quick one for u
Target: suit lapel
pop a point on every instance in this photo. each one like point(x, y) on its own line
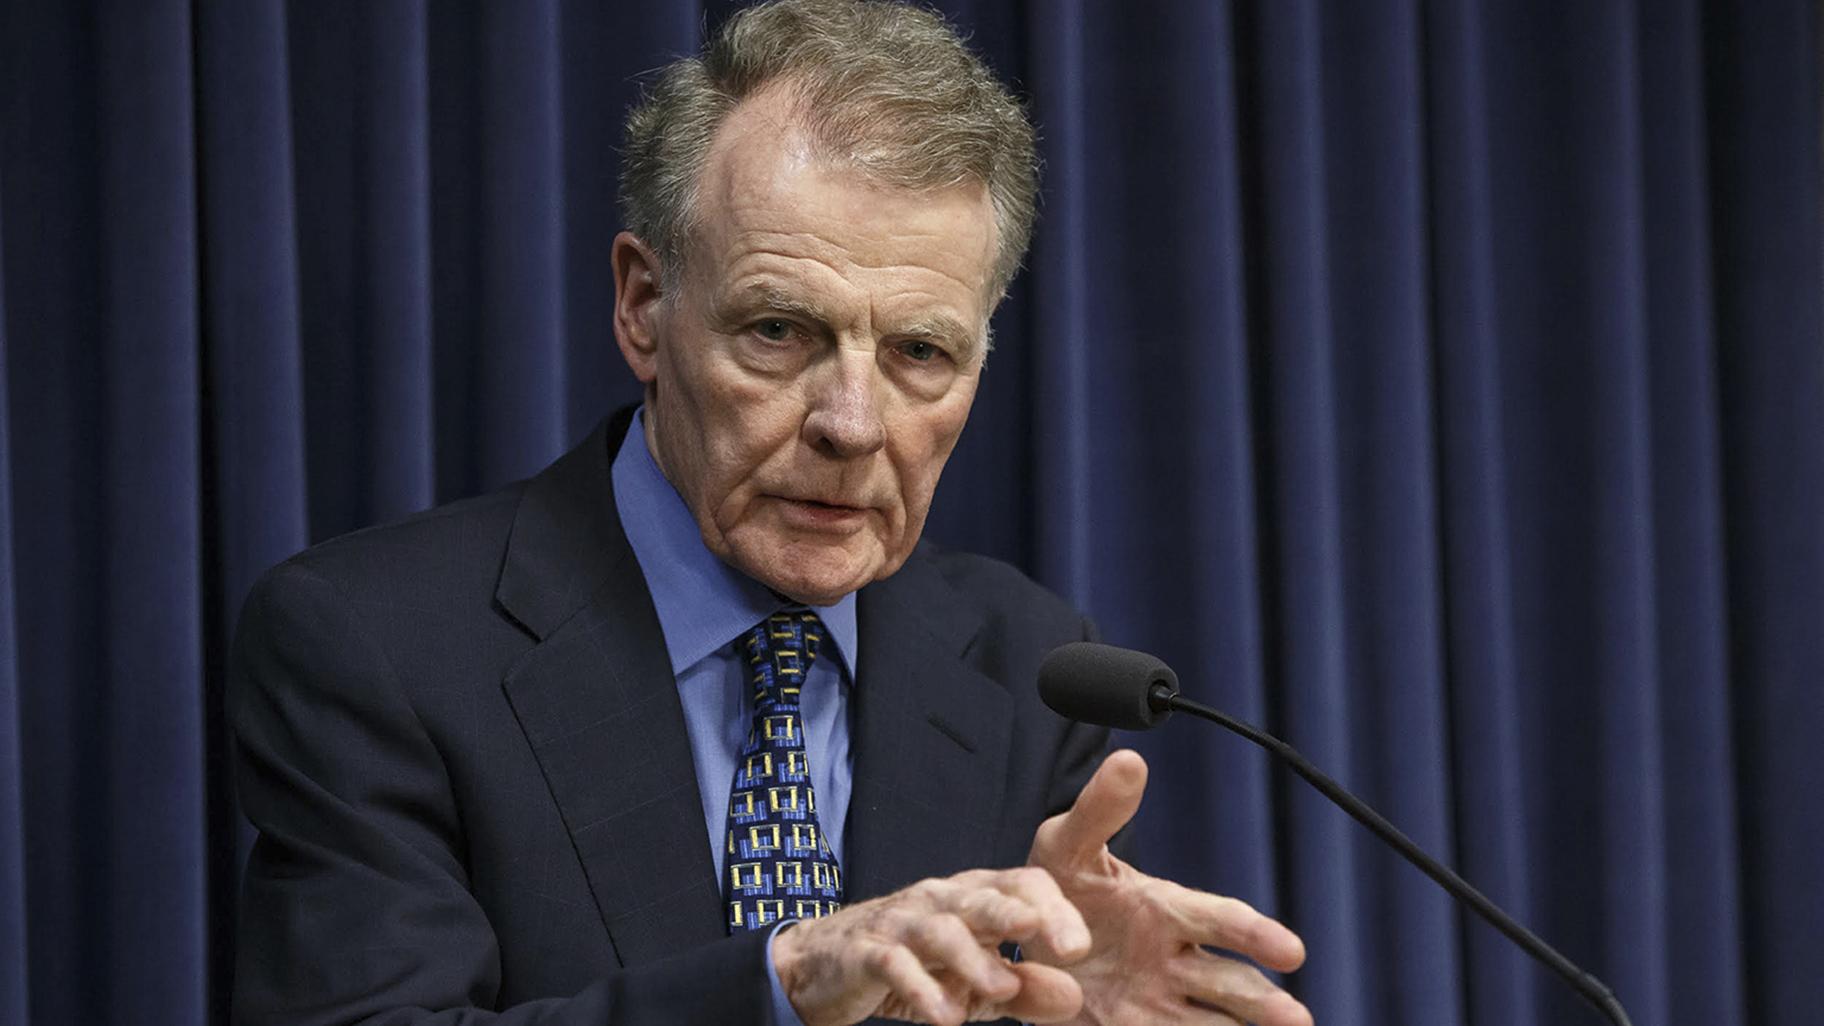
point(931, 738)
point(597, 702)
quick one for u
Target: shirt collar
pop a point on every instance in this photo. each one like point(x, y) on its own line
point(702, 602)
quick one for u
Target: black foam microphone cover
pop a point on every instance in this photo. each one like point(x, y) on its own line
point(1105, 685)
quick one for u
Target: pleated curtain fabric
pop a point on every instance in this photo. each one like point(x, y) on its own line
point(1437, 382)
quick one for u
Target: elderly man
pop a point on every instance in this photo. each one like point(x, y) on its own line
point(690, 728)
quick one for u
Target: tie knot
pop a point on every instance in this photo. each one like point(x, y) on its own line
point(779, 651)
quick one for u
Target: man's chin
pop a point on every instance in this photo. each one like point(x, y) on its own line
point(815, 575)
point(816, 589)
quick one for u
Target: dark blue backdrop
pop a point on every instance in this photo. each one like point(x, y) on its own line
point(1438, 382)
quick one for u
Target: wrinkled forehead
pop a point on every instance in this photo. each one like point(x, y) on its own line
point(766, 174)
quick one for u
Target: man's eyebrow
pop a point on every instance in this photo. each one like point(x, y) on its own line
point(936, 326)
point(941, 326)
point(766, 294)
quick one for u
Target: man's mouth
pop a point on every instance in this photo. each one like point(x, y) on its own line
point(817, 514)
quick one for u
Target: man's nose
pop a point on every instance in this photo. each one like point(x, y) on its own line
point(844, 419)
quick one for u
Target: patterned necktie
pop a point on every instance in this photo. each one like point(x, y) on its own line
point(779, 864)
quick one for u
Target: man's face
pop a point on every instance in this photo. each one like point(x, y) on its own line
point(811, 377)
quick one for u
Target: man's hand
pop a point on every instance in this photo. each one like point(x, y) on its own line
point(928, 953)
point(1147, 962)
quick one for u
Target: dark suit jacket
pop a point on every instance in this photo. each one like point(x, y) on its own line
point(460, 741)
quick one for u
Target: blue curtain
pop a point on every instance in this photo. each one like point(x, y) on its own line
point(1439, 383)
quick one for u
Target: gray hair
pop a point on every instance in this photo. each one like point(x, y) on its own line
point(887, 88)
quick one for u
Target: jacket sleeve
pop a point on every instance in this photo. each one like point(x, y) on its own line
point(355, 907)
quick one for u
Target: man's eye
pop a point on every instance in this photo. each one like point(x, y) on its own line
point(921, 351)
point(774, 330)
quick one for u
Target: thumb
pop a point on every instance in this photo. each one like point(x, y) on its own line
point(1103, 807)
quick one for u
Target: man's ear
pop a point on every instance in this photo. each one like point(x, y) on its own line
point(637, 297)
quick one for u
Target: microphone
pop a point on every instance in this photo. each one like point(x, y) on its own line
point(1118, 687)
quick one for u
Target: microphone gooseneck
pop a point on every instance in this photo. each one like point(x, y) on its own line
point(1117, 687)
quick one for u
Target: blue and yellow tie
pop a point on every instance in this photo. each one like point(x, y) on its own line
point(779, 864)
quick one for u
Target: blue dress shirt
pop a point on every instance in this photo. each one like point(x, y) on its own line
point(704, 605)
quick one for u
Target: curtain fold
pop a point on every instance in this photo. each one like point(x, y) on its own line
point(1386, 448)
point(519, 245)
point(1476, 578)
point(360, 124)
point(1437, 382)
point(1064, 257)
point(1296, 348)
point(146, 866)
point(15, 980)
point(251, 436)
point(1687, 557)
point(1765, 223)
point(251, 312)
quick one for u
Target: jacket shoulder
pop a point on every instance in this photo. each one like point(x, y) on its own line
point(1005, 593)
point(447, 552)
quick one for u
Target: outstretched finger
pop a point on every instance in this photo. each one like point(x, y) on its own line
point(943, 940)
point(1060, 929)
point(1237, 989)
point(1103, 807)
point(1234, 925)
point(911, 984)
